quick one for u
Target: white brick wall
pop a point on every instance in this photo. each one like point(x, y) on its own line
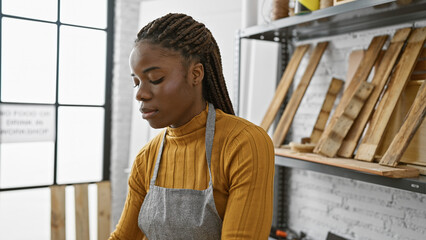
point(319, 203)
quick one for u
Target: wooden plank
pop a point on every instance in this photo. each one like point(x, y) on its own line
point(354, 60)
point(416, 150)
point(81, 212)
point(379, 80)
point(412, 122)
point(422, 169)
point(104, 210)
point(399, 78)
point(283, 86)
point(291, 108)
point(360, 76)
point(334, 139)
point(368, 167)
point(423, 54)
point(57, 212)
point(327, 106)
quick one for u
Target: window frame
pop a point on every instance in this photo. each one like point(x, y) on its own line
point(106, 161)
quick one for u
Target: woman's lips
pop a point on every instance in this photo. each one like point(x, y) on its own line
point(148, 113)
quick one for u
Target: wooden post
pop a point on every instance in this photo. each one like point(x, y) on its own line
point(57, 213)
point(283, 86)
point(104, 210)
point(289, 112)
point(82, 212)
point(327, 106)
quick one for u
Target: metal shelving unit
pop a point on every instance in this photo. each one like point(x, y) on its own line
point(346, 18)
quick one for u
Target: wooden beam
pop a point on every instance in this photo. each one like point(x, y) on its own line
point(284, 85)
point(104, 210)
point(57, 213)
point(412, 122)
point(367, 149)
point(327, 106)
point(81, 212)
point(379, 80)
point(291, 108)
point(360, 76)
point(334, 137)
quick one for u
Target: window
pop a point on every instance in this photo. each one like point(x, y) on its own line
point(55, 101)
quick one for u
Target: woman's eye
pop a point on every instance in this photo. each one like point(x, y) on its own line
point(157, 81)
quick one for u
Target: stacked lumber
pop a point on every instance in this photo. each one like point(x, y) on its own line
point(362, 129)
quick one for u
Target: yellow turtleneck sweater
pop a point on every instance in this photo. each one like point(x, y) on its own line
point(242, 168)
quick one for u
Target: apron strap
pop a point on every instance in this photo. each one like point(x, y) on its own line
point(157, 162)
point(210, 128)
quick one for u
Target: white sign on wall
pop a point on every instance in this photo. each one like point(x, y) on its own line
point(26, 123)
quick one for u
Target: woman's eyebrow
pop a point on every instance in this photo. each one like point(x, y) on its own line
point(150, 69)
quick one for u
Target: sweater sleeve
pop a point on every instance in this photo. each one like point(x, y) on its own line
point(250, 171)
point(127, 227)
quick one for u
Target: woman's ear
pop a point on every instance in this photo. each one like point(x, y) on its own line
point(197, 73)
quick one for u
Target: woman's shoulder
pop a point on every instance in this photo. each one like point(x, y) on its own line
point(235, 126)
point(150, 149)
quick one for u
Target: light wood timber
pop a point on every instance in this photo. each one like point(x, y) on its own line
point(354, 60)
point(291, 108)
point(302, 147)
point(422, 169)
point(361, 75)
point(412, 122)
point(57, 212)
point(368, 167)
point(333, 139)
point(283, 86)
point(327, 106)
point(379, 80)
point(399, 78)
point(104, 210)
point(81, 212)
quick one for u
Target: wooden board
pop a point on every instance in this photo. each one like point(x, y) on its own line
point(422, 170)
point(291, 108)
point(104, 210)
point(379, 80)
point(368, 167)
point(81, 212)
point(283, 86)
point(327, 106)
point(354, 60)
point(412, 122)
point(367, 149)
point(334, 137)
point(57, 213)
point(416, 150)
point(360, 76)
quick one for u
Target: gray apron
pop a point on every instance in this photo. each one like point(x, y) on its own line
point(169, 213)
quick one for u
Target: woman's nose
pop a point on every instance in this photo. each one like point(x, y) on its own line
point(144, 92)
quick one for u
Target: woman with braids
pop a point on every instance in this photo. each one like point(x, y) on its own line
point(209, 174)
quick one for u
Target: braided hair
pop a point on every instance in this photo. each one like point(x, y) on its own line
point(194, 41)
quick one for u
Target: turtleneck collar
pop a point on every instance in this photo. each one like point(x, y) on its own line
point(196, 123)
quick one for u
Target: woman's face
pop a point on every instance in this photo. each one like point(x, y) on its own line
point(170, 93)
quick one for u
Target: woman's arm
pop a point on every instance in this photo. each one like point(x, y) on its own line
point(248, 213)
point(127, 228)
